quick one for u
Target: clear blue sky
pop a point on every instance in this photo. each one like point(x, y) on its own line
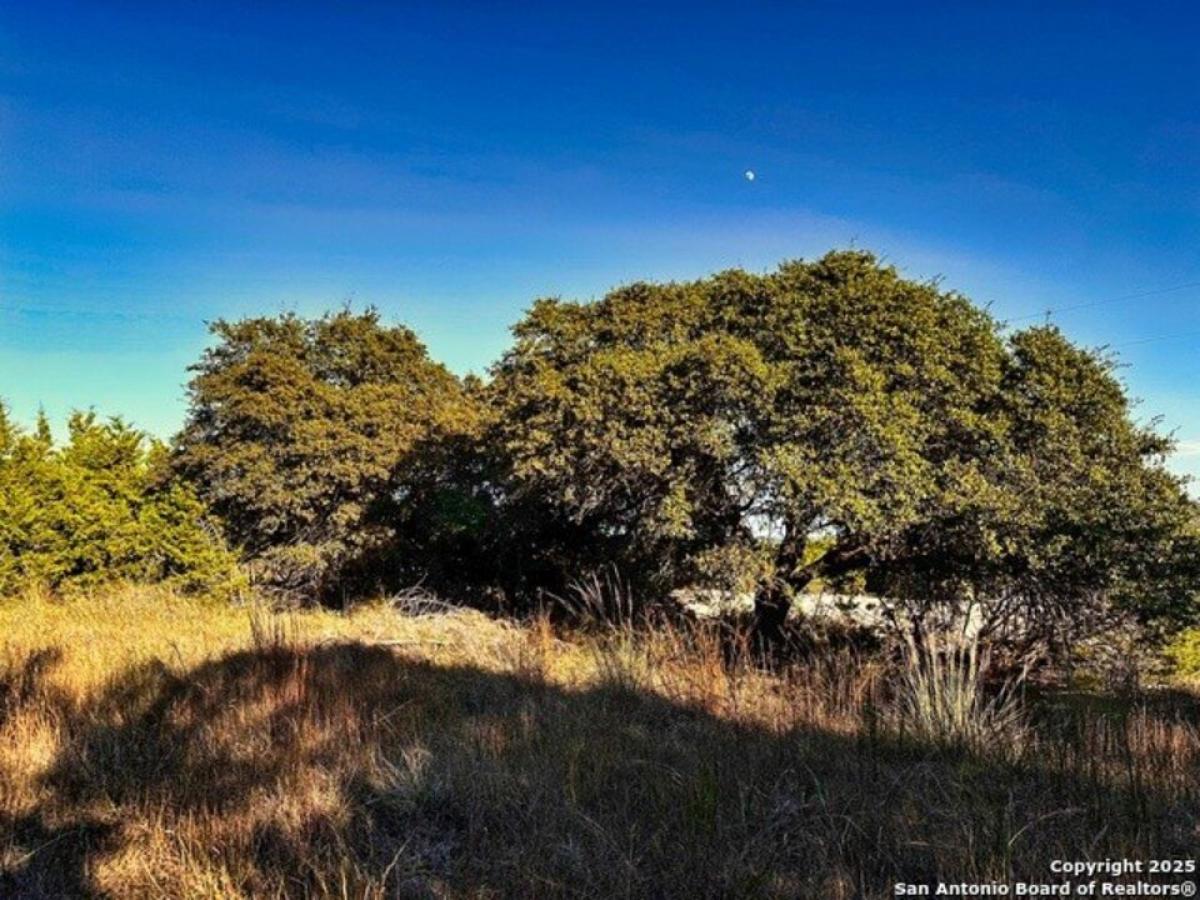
point(164, 165)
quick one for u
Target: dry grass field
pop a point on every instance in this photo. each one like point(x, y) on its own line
point(152, 746)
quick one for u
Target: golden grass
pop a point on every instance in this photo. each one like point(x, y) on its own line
point(154, 746)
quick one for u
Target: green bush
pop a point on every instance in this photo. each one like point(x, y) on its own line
point(1184, 653)
point(101, 508)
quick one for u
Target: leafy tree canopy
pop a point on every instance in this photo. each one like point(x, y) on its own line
point(307, 436)
point(834, 420)
point(100, 508)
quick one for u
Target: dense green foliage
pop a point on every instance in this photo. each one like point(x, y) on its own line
point(1184, 654)
point(1081, 522)
point(724, 427)
point(314, 439)
point(99, 508)
point(830, 422)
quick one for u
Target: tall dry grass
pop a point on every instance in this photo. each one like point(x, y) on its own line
point(152, 746)
point(944, 696)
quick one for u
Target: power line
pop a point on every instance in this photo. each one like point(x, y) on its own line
point(97, 313)
point(1107, 300)
point(200, 319)
point(1161, 337)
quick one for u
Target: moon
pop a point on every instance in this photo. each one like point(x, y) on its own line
point(750, 175)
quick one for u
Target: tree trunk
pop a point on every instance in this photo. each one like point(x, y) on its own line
point(771, 606)
point(773, 601)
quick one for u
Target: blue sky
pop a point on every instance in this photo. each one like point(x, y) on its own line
point(168, 164)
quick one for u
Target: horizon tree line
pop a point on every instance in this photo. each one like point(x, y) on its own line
point(829, 422)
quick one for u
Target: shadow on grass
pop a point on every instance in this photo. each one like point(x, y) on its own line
point(349, 769)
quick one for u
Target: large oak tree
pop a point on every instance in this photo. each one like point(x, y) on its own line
point(834, 419)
